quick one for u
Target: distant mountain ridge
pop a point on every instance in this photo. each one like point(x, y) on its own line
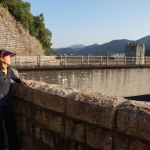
point(95, 49)
point(76, 46)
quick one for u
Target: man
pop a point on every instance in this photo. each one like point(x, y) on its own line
point(6, 109)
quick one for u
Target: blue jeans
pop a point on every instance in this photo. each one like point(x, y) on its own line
point(7, 114)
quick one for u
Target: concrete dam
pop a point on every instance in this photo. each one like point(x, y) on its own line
point(112, 81)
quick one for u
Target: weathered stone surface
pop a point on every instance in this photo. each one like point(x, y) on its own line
point(124, 143)
point(49, 96)
point(28, 143)
point(29, 128)
point(24, 108)
point(15, 37)
point(48, 119)
point(49, 101)
point(47, 138)
point(80, 147)
point(40, 115)
point(50, 88)
point(36, 132)
point(75, 130)
point(98, 138)
point(133, 118)
point(21, 123)
point(93, 107)
point(81, 120)
point(23, 92)
point(68, 145)
point(56, 123)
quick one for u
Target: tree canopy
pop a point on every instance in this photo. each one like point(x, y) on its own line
point(35, 24)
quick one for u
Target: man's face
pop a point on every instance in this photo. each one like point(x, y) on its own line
point(6, 60)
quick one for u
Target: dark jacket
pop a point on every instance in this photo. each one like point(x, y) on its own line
point(5, 81)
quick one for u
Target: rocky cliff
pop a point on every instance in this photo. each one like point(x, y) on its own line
point(14, 37)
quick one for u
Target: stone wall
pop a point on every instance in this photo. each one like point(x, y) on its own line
point(50, 117)
point(14, 37)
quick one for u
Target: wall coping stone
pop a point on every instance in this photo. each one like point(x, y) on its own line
point(91, 103)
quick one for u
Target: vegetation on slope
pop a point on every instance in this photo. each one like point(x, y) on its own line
point(35, 24)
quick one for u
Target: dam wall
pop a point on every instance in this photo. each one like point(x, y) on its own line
point(123, 81)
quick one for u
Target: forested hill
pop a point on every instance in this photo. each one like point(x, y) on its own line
point(35, 24)
point(113, 46)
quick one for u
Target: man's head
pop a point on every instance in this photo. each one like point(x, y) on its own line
point(4, 53)
point(5, 56)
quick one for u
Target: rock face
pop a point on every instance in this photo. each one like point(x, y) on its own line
point(15, 38)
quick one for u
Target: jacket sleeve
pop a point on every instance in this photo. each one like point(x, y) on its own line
point(14, 77)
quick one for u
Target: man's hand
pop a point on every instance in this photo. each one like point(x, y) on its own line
point(24, 82)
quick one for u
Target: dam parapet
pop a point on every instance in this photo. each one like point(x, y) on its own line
point(51, 117)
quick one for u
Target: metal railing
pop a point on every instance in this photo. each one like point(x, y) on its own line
point(68, 60)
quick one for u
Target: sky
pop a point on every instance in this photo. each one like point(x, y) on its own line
point(90, 22)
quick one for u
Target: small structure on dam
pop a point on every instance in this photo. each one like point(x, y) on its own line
point(135, 50)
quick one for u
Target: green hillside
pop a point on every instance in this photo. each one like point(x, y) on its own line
point(35, 24)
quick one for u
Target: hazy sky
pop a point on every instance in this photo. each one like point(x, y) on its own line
point(93, 21)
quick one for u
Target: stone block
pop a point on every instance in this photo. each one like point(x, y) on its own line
point(48, 119)
point(99, 139)
point(15, 103)
point(125, 143)
point(22, 92)
point(75, 130)
point(48, 138)
point(37, 132)
point(133, 118)
point(56, 123)
point(43, 117)
point(68, 145)
point(29, 128)
point(80, 147)
point(40, 116)
point(49, 101)
point(24, 108)
point(30, 143)
point(21, 123)
point(93, 108)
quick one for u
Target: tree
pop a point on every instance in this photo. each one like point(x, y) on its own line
point(42, 33)
point(35, 24)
